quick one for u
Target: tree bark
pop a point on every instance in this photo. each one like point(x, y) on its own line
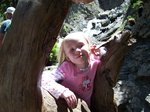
point(107, 73)
point(33, 32)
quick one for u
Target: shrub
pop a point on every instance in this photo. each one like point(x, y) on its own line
point(53, 54)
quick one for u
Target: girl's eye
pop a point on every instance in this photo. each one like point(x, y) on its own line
point(72, 49)
point(80, 46)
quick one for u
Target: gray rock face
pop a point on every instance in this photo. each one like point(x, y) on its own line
point(109, 4)
point(132, 90)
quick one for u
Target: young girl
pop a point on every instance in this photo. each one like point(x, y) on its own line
point(78, 61)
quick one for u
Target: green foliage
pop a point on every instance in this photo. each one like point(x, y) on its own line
point(136, 3)
point(130, 17)
point(2, 10)
point(3, 6)
point(54, 53)
point(133, 1)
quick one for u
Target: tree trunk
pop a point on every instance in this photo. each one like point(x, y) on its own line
point(107, 73)
point(33, 32)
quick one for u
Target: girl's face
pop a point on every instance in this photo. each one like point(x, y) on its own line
point(77, 51)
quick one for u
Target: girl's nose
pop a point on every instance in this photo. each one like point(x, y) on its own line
point(78, 51)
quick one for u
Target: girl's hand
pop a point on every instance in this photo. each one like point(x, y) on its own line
point(70, 98)
point(95, 50)
point(98, 51)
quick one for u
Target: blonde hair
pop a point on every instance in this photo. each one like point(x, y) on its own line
point(61, 54)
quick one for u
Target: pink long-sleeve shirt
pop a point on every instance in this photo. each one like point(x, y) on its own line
point(77, 80)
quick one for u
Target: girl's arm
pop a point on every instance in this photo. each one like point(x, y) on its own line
point(49, 82)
